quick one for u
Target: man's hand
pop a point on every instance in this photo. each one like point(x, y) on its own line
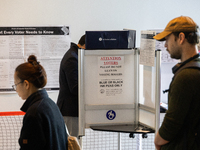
point(159, 141)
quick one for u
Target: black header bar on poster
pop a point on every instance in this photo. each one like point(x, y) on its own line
point(62, 30)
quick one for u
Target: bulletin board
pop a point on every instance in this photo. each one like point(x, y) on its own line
point(47, 43)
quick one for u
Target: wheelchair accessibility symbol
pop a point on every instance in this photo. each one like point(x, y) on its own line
point(111, 114)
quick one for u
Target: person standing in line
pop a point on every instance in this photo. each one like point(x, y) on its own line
point(180, 129)
point(68, 93)
point(43, 126)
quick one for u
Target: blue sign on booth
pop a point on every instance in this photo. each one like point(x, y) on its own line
point(111, 114)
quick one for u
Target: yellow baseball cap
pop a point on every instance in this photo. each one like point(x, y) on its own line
point(179, 24)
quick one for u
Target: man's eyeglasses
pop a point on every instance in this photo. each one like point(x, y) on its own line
point(15, 85)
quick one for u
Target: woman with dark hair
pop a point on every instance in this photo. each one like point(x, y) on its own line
point(43, 125)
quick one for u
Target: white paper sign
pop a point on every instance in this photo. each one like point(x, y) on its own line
point(110, 80)
point(147, 48)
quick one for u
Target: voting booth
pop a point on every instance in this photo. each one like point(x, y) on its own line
point(109, 92)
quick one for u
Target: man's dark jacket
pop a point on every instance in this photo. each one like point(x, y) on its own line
point(43, 125)
point(181, 125)
point(68, 79)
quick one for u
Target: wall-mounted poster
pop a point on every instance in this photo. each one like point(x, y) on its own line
point(47, 43)
point(147, 48)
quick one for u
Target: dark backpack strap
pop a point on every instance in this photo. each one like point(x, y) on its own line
point(193, 65)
